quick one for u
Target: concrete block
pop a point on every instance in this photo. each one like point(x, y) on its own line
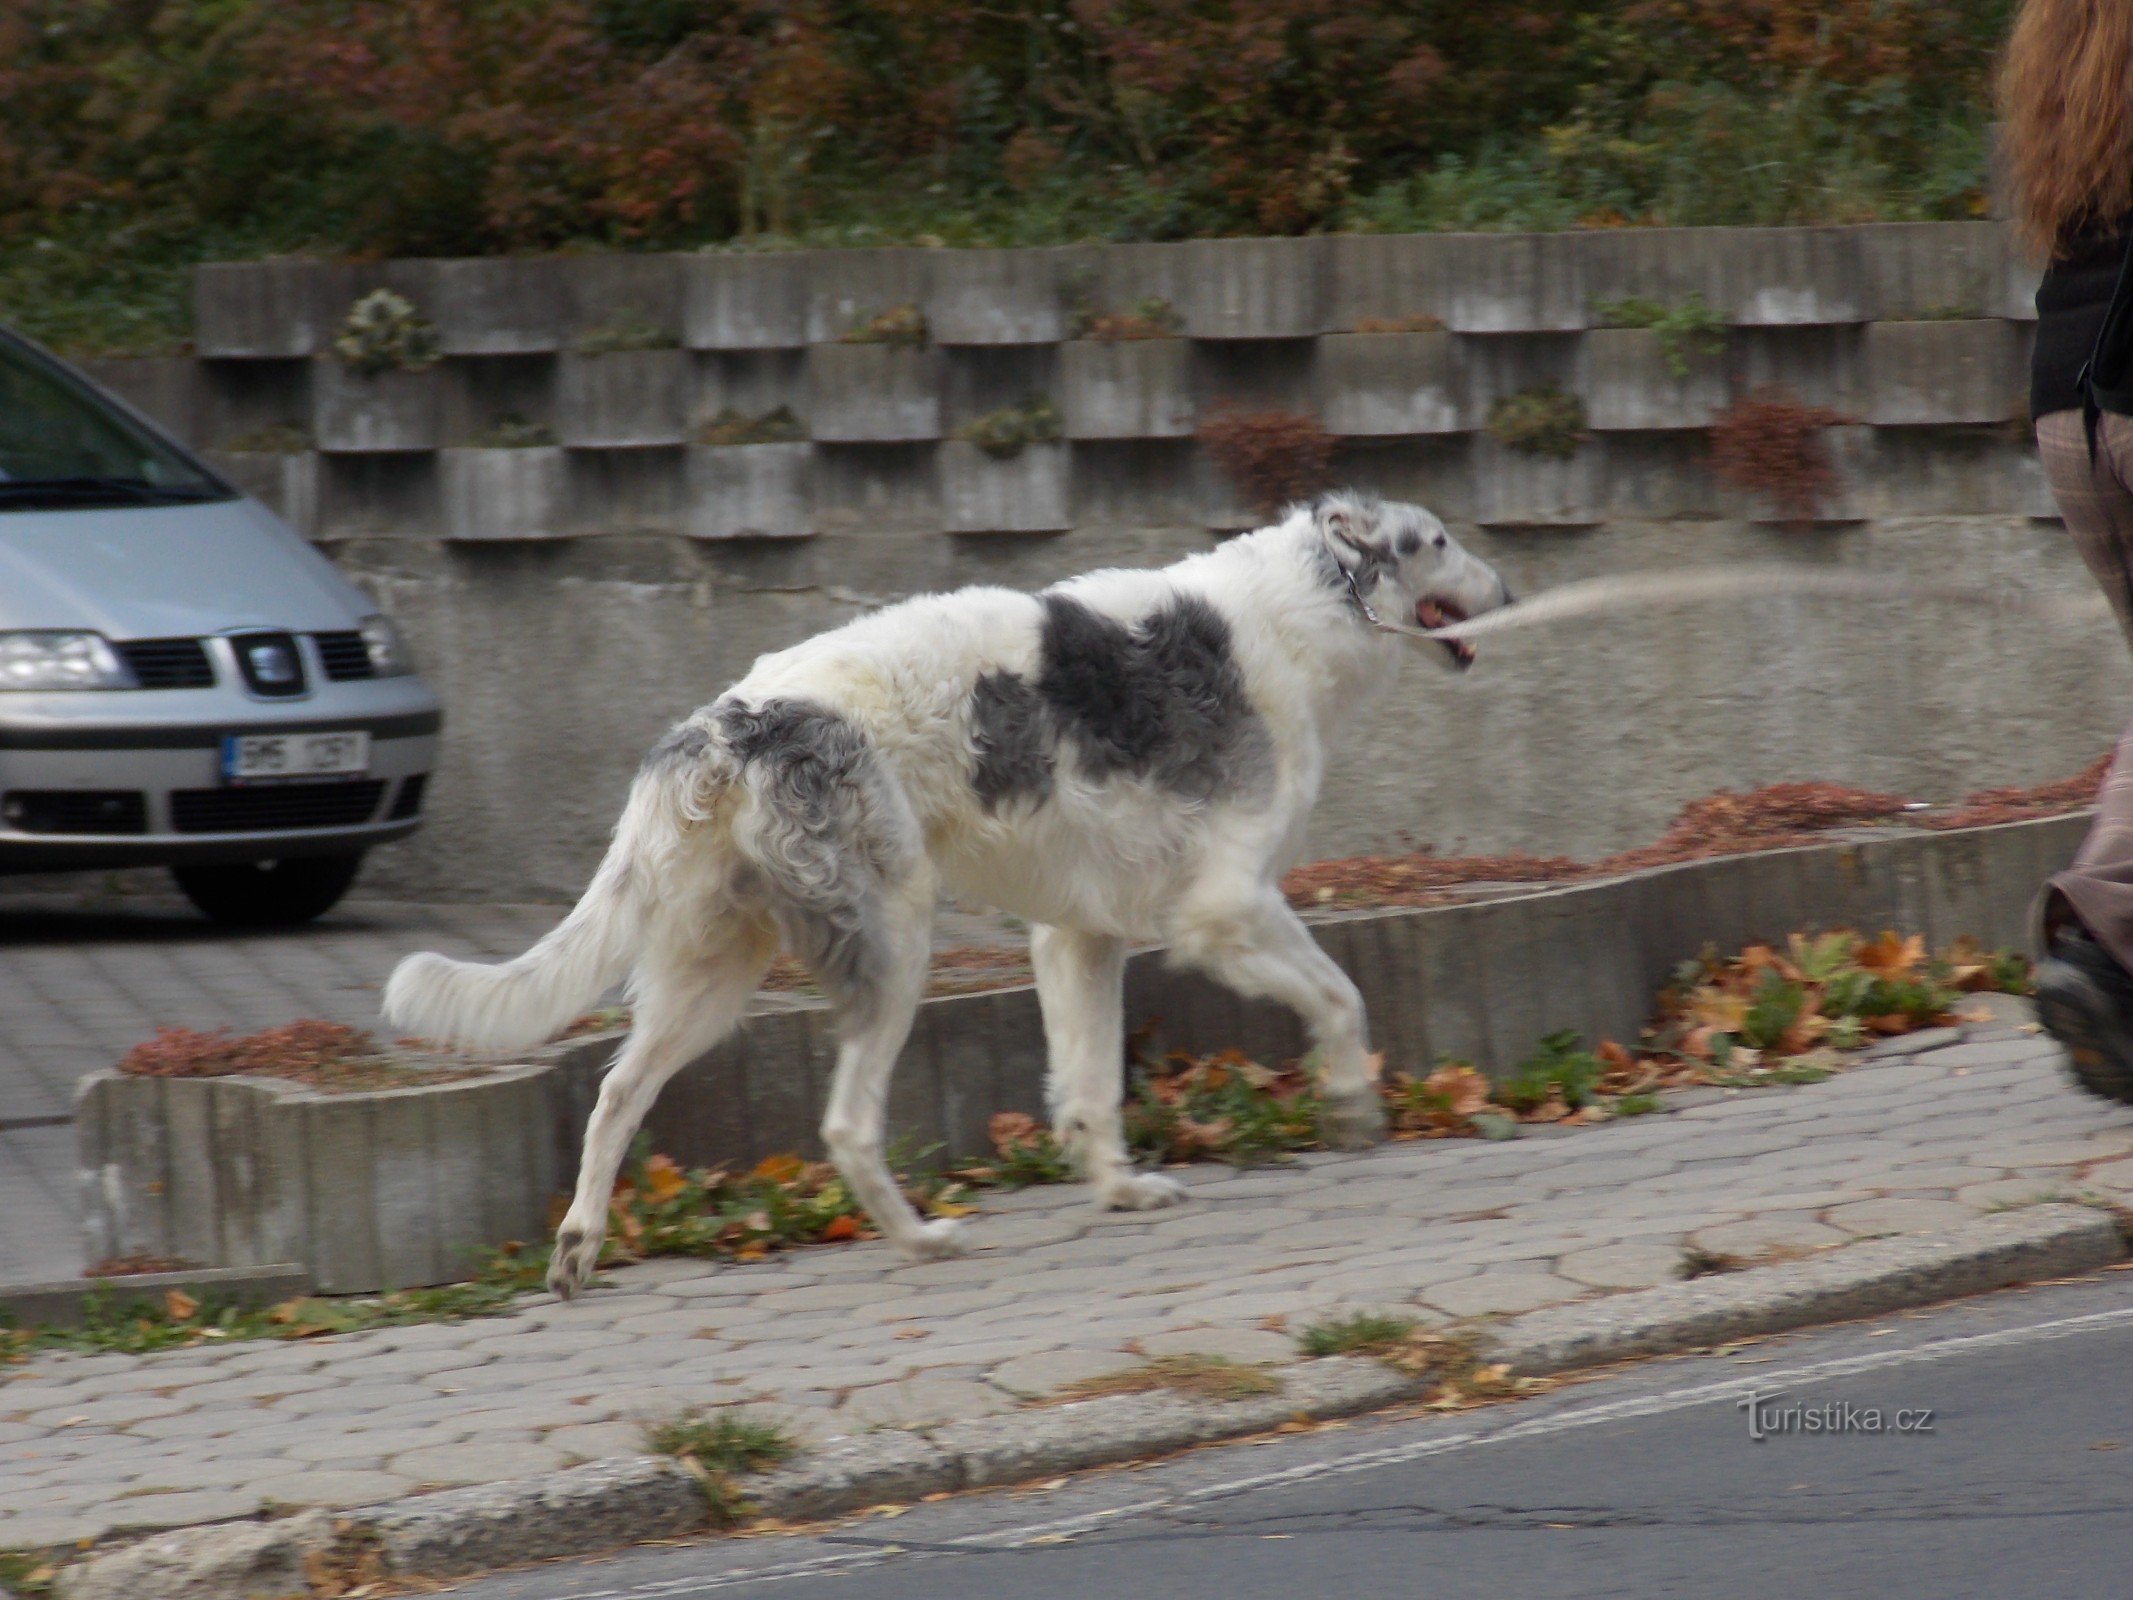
point(1126, 388)
point(622, 398)
point(165, 389)
point(848, 288)
point(749, 491)
point(1128, 483)
point(1666, 265)
point(366, 1187)
point(1513, 488)
point(1933, 269)
point(2018, 286)
point(874, 488)
point(1022, 493)
point(874, 393)
point(1784, 277)
point(1391, 384)
point(1658, 475)
point(1503, 364)
point(491, 305)
point(285, 483)
point(356, 413)
point(1516, 283)
point(626, 491)
point(1251, 288)
point(1630, 381)
point(262, 403)
point(608, 292)
point(2028, 489)
point(1253, 375)
point(494, 402)
point(999, 297)
point(379, 492)
point(250, 309)
point(745, 302)
point(503, 494)
point(1940, 372)
point(1823, 366)
point(751, 382)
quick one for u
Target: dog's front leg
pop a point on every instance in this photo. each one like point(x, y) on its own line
point(1080, 982)
point(1264, 949)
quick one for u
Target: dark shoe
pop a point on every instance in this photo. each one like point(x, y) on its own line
point(2085, 1001)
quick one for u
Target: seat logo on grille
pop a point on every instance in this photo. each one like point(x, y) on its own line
point(271, 663)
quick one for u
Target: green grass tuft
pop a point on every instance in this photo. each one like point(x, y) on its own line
point(1367, 1333)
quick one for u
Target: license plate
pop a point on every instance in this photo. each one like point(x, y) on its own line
point(281, 757)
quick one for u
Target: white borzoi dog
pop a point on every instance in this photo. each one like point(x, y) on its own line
point(1129, 756)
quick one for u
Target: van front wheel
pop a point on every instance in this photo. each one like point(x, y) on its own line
point(269, 894)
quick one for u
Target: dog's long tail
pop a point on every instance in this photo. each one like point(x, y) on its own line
point(525, 1001)
point(1630, 591)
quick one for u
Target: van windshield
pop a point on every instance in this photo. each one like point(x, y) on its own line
point(63, 447)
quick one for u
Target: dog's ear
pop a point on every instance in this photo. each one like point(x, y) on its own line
point(1354, 534)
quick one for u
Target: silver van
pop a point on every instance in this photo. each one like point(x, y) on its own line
point(184, 681)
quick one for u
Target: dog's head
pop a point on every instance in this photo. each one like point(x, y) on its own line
point(1398, 562)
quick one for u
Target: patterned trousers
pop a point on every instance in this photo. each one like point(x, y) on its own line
point(2097, 503)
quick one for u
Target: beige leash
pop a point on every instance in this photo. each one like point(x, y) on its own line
point(1654, 590)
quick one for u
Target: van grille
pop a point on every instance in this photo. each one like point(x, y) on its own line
point(272, 809)
point(346, 656)
point(75, 810)
point(408, 802)
point(167, 663)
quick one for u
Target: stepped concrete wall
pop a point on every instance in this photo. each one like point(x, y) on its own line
point(572, 594)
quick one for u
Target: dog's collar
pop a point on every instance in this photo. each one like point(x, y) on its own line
point(1355, 595)
point(1369, 612)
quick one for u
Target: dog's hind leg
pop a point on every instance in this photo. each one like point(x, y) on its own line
point(1263, 948)
point(1080, 979)
point(681, 1006)
point(876, 983)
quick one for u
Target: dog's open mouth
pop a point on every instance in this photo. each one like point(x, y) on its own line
point(1440, 614)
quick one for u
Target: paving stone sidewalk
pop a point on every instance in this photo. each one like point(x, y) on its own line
point(1934, 1130)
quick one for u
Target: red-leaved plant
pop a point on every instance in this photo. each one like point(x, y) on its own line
point(1273, 457)
point(1773, 443)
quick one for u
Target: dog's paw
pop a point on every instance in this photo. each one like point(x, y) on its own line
point(1353, 1123)
point(934, 1241)
point(570, 1268)
point(1142, 1191)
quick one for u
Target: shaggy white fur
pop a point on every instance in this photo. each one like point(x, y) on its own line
point(1131, 756)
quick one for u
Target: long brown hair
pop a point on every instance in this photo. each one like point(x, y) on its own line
point(2066, 91)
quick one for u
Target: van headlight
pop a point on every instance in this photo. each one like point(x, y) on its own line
point(389, 655)
point(30, 662)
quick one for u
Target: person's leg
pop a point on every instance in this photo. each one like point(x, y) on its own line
point(2085, 914)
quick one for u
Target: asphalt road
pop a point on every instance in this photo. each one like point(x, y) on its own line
point(1642, 1483)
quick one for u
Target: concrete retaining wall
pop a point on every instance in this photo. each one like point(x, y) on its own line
point(573, 595)
point(1482, 981)
point(406, 1186)
point(384, 1190)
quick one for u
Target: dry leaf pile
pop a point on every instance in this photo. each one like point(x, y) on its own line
point(661, 1209)
point(324, 1055)
point(1775, 817)
point(1769, 1009)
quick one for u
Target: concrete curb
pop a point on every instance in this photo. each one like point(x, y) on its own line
point(610, 1503)
point(1862, 1280)
point(63, 1302)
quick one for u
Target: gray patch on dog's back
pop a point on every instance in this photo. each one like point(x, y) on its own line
point(1162, 700)
point(683, 745)
point(830, 842)
point(1013, 742)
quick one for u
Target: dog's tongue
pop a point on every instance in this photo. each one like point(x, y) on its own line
point(1428, 614)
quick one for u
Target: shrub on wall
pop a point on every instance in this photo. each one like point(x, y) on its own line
point(1541, 421)
point(1772, 443)
point(1273, 457)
